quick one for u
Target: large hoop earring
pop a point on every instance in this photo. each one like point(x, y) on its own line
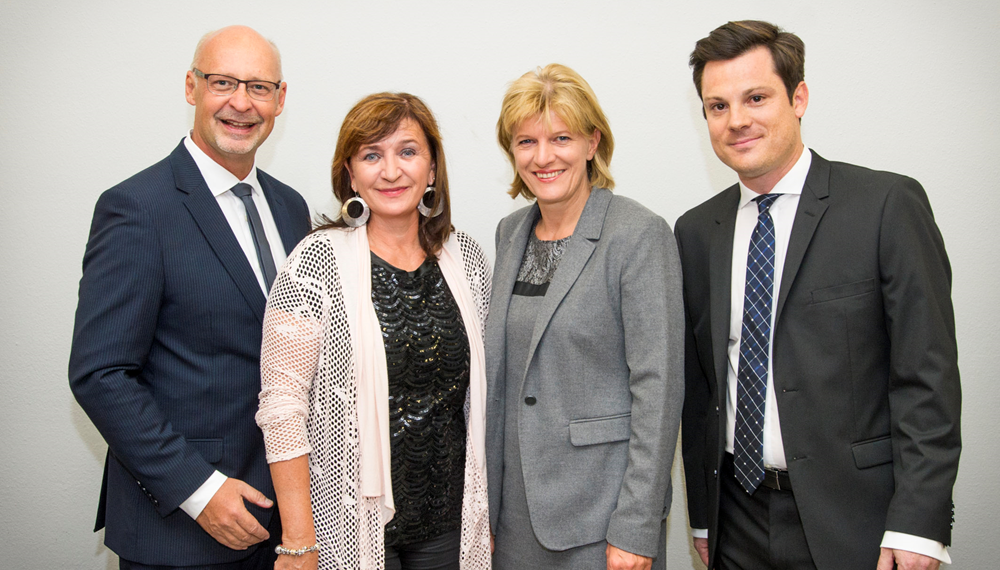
point(426, 203)
point(355, 212)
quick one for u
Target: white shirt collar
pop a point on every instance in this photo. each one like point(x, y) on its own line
point(791, 183)
point(219, 179)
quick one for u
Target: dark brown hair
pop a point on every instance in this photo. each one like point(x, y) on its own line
point(734, 39)
point(371, 120)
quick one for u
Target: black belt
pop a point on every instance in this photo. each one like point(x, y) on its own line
point(777, 480)
point(773, 478)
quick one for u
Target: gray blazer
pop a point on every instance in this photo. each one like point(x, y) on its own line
point(604, 375)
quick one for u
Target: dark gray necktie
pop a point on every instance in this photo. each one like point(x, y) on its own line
point(264, 256)
point(748, 440)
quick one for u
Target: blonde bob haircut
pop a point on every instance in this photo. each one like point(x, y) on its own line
point(556, 88)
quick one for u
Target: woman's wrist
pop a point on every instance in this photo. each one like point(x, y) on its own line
point(298, 540)
point(283, 549)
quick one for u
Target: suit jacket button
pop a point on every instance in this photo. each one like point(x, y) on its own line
point(530, 400)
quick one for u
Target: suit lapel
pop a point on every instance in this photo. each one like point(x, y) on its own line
point(213, 225)
point(509, 253)
point(720, 281)
point(278, 212)
point(579, 249)
point(812, 206)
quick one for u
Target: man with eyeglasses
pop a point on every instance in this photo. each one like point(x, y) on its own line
point(166, 347)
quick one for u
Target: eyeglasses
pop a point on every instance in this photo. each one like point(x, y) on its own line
point(225, 85)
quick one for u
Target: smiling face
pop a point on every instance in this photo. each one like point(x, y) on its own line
point(392, 174)
point(552, 160)
point(229, 128)
point(753, 126)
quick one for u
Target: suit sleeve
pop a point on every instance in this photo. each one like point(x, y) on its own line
point(924, 388)
point(120, 297)
point(652, 319)
point(694, 417)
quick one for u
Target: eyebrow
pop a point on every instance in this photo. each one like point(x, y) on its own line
point(379, 146)
point(568, 132)
point(758, 88)
point(745, 93)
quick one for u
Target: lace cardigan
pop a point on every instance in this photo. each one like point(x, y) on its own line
point(309, 397)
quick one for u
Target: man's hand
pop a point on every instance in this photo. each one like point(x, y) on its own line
point(619, 559)
point(226, 518)
point(906, 560)
point(701, 546)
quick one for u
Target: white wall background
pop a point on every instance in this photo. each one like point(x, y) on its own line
point(92, 92)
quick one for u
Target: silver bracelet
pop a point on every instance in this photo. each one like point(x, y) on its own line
point(282, 550)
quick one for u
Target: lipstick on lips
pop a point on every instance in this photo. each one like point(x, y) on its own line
point(546, 175)
point(392, 191)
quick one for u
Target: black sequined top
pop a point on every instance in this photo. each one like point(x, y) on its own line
point(427, 353)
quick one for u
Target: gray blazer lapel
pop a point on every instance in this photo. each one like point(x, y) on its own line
point(812, 206)
point(213, 225)
point(721, 280)
point(574, 259)
point(510, 251)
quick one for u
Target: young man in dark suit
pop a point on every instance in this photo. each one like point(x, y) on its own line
point(821, 420)
point(166, 347)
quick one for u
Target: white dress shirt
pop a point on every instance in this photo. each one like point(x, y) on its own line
point(783, 215)
point(220, 182)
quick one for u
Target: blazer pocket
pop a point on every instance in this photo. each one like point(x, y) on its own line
point(845, 290)
point(607, 429)
point(209, 449)
point(873, 452)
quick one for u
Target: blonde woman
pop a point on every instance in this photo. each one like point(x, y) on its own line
point(584, 345)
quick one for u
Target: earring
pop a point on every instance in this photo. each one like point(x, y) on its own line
point(355, 212)
point(426, 203)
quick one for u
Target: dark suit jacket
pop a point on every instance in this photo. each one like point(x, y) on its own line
point(604, 368)
point(864, 362)
point(166, 355)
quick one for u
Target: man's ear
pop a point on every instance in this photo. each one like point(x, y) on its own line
point(190, 82)
point(800, 99)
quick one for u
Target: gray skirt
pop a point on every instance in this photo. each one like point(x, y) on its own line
point(517, 547)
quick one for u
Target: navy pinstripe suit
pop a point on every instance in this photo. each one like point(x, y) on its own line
point(166, 355)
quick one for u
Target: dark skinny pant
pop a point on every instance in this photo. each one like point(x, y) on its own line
point(439, 553)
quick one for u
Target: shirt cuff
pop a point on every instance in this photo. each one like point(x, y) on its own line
point(200, 498)
point(699, 533)
point(911, 543)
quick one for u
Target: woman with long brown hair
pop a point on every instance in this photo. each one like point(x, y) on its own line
point(373, 382)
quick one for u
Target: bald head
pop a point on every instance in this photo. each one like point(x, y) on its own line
point(240, 38)
point(230, 125)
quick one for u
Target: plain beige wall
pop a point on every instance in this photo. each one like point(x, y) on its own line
point(92, 92)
